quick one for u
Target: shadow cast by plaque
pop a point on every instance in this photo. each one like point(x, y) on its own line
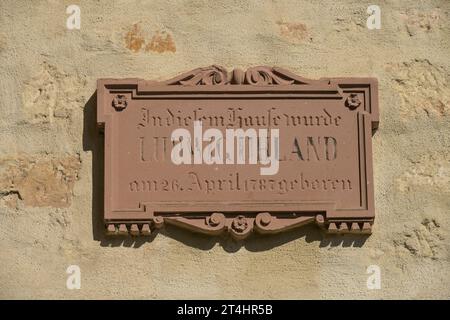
point(258, 242)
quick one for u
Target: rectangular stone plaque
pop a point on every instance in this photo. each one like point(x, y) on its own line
point(268, 151)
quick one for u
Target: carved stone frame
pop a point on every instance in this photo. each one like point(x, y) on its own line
point(240, 219)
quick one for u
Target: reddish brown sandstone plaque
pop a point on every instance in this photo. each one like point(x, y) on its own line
point(321, 172)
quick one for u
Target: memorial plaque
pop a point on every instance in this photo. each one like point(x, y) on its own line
point(261, 150)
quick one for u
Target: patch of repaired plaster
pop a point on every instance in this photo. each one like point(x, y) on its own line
point(38, 180)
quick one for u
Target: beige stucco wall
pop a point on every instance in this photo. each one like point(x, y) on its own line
point(49, 215)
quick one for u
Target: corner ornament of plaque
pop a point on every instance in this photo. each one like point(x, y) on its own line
point(325, 171)
point(119, 102)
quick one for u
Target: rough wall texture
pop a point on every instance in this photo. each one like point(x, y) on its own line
point(50, 153)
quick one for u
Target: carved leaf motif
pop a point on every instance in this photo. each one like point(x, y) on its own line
point(267, 76)
point(213, 75)
point(257, 76)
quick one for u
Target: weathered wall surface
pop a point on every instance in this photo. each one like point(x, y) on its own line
point(50, 168)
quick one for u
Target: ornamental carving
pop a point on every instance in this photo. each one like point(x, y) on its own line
point(217, 75)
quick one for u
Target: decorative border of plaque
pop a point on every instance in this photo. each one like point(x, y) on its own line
point(239, 218)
